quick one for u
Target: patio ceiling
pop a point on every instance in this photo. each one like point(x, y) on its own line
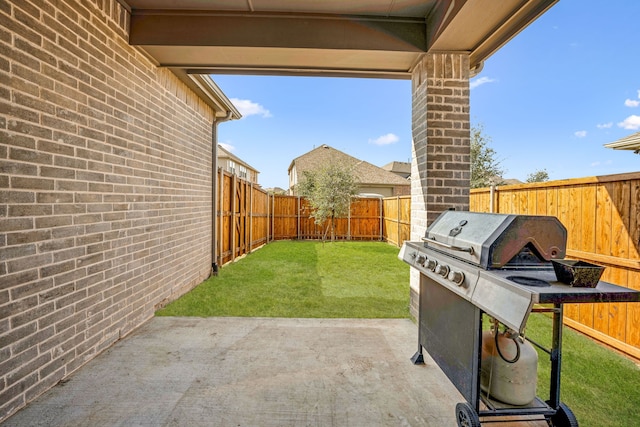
point(360, 38)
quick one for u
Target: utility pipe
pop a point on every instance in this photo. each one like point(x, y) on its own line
point(214, 187)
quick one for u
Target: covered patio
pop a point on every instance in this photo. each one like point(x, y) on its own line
point(108, 166)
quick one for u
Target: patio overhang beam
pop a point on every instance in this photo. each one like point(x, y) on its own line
point(277, 30)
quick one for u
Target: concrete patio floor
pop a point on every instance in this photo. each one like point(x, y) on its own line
point(254, 372)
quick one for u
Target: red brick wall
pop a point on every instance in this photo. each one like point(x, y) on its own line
point(105, 189)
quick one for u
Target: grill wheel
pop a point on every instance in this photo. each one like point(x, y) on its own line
point(564, 417)
point(466, 415)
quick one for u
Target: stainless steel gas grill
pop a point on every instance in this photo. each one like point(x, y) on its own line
point(474, 265)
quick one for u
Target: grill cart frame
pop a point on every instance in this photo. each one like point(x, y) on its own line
point(474, 264)
point(450, 329)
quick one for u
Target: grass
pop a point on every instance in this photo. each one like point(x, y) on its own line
point(305, 279)
point(601, 387)
point(366, 280)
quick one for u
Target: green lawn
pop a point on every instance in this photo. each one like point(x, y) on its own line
point(601, 387)
point(305, 279)
point(366, 280)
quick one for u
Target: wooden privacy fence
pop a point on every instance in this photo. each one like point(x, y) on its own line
point(290, 219)
point(248, 217)
point(396, 214)
point(600, 213)
point(603, 226)
point(242, 217)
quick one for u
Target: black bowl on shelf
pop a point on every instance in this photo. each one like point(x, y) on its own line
point(577, 273)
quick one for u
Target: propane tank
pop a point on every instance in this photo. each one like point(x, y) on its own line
point(509, 367)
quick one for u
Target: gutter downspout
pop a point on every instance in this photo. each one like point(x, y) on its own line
point(214, 188)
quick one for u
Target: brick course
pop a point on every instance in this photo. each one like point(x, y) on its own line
point(105, 189)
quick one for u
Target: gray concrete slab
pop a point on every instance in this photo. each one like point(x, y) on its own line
point(253, 372)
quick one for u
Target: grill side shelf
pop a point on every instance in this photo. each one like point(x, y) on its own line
point(500, 299)
point(562, 293)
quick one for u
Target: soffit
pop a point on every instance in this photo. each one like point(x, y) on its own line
point(631, 142)
point(364, 38)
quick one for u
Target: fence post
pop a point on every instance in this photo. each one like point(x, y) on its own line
point(221, 181)
point(233, 217)
point(398, 220)
point(349, 220)
point(251, 218)
point(272, 214)
point(492, 191)
point(298, 207)
point(381, 219)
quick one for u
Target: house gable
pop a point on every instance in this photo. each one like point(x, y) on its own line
point(371, 178)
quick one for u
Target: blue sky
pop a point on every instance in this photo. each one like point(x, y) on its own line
point(549, 99)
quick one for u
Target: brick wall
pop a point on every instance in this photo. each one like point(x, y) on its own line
point(105, 189)
point(441, 161)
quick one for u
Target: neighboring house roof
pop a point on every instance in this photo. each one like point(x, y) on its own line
point(511, 181)
point(631, 142)
point(402, 169)
point(498, 180)
point(222, 154)
point(276, 190)
point(365, 172)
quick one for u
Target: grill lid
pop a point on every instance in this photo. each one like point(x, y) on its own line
point(493, 240)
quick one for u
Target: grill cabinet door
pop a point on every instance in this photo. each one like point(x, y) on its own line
point(449, 330)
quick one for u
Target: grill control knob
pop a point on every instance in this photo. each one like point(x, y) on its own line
point(421, 259)
point(431, 264)
point(456, 277)
point(442, 270)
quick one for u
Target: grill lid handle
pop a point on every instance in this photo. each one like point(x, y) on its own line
point(448, 246)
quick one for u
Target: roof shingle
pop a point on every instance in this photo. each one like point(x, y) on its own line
point(365, 172)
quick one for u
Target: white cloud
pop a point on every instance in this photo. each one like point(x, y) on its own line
point(580, 133)
point(249, 108)
point(227, 146)
point(632, 122)
point(599, 163)
point(480, 81)
point(631, 103)
point(385, 139)
point(604, 125)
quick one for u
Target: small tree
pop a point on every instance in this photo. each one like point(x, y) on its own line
point(485, 168)
point(329, 189)
point(538, 176)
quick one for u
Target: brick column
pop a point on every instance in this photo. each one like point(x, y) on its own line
point(440, 166)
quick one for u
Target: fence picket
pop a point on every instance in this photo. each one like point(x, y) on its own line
point(602, 216)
